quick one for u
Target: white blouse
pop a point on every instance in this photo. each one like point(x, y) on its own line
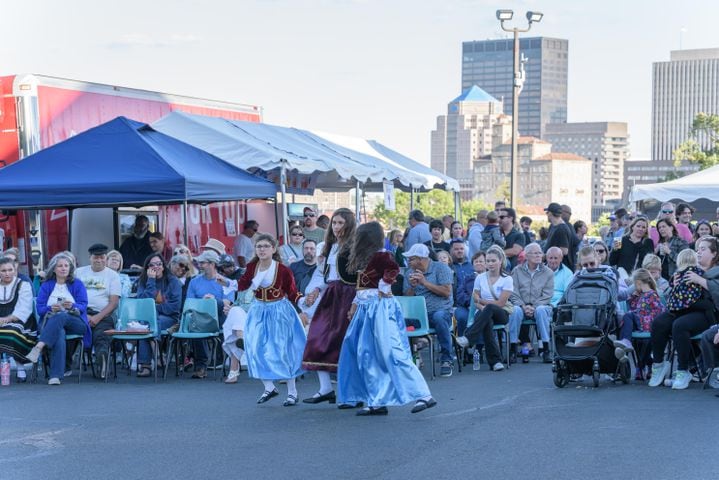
point(23, 307)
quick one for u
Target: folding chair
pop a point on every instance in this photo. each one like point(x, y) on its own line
point(504, 329)
point(205, 305)
point(141, 310)
point(416, 308)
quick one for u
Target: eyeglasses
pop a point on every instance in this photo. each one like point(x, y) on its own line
point(309, 215)
point(263, 246)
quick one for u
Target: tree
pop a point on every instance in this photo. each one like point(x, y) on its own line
point(435, 204)
point(704, 127)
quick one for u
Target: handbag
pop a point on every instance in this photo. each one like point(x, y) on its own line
point(200, 322)
point(508, 307)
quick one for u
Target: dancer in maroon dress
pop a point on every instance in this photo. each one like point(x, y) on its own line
point(337, 288)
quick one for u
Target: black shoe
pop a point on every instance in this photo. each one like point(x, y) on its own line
point(546, 357)
point(512, 356)
point(291, 401)
point(327, 397)
point(349, 406)
point(267, 396)
point(423, 405)
point(366, 412)
point(240, 343)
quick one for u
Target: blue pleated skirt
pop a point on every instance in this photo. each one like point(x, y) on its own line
point(376, 364)
point(274, 340)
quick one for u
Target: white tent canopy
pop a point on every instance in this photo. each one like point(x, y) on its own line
point(703, 184)
point(311, 160)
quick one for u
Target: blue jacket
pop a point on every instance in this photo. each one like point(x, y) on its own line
point(171, 294)
point(78, 292)
point(463, 273)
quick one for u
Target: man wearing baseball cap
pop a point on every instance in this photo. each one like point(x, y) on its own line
point(559, 235)
point(433, 281)
point(310, 228)
point(103, 295)
point(206, 285)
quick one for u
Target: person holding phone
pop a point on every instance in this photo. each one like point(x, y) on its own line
point(62, 307)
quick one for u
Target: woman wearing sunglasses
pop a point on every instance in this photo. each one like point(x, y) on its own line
point(291, 251)
point(158, 283)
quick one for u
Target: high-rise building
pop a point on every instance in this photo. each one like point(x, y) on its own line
point(640, 172)
point(544, 177)
point(473, 121)
point(543, 100)
point(606, 144)
point(682, 87)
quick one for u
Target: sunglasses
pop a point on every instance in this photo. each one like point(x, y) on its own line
point(667, 211)
point(309, 215)
point(154, 264)
point(184, 267)
point(298, 234)
point(502, 217)
point(600, 250)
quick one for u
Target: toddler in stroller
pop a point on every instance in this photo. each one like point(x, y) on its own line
point(584, 320)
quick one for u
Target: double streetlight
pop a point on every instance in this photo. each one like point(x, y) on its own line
point(532, 17)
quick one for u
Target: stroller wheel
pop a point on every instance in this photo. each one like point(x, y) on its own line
point(561, 378)
point(595, 376)
point(625, 372)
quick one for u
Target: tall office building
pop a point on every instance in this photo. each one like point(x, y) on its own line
point(474, 120)
point(543, 100)
point(682, 87)
point(606, 144)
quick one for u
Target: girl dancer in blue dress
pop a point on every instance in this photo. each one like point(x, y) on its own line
point(274, 336)
point(375, 363)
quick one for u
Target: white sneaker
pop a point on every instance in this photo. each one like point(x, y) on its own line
point(681, 380)
point(624, 343)
point(53, 381)
point(462, 342)
point(659, 373)
point(497, 367)
point(33, 355)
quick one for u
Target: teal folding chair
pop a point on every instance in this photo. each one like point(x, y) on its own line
point(139, 310)
point(416, 308)
point(205, 305)
point(504, 329)
point(69, 339)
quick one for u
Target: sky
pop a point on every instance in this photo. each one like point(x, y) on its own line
point(379, 69)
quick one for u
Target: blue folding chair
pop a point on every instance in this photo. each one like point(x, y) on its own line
point(204, 305)
point(416, 308)
point(140, 310)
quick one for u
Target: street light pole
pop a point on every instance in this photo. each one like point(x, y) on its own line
point(517, 83)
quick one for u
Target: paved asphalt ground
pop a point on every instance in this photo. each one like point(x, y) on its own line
point(505, 425)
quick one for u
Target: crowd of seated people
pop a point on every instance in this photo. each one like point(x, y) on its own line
point(496, 269)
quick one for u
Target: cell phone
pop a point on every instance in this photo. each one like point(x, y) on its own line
point(60, 299)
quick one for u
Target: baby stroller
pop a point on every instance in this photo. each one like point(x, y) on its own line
point(583, 321)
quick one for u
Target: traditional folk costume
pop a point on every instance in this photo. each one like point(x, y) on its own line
point(330, 322)
point(376, 364)
point(273, 333)
point(19, 336)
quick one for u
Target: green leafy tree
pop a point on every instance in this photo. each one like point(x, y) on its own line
point(601, 222)
point(435, 204)
point(704, 126)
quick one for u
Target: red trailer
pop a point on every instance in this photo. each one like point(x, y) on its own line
point(38, 111)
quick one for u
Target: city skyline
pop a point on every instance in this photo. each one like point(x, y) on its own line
point(366, 68)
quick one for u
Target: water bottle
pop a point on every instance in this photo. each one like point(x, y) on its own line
point(475, 360)
point(5, 371)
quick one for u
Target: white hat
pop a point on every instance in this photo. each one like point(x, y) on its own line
point(208, 256)
point(417, 250)
point(215, 245)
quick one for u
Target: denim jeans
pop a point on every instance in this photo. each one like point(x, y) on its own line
point(710, 351)
point(462, 315)
point(441, 321)
point(100, 341)
point(53, 335)
point(144, 352)
point(542, 317)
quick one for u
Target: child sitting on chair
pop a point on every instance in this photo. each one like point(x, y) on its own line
point(684, 297)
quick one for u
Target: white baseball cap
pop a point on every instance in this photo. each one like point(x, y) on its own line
point(417, 250)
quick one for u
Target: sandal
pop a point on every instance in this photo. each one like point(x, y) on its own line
point(232, 376)
point(144, 372)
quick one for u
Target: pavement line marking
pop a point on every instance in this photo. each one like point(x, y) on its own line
point(501, 403)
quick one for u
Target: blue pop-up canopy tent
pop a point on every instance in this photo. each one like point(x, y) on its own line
point(124, 162)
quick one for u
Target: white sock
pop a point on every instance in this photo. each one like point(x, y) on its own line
point(269, 385)
point(325, 382)
point(291, 387)
point(21, 371)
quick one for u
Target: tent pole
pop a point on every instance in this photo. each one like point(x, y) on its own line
point(457, 209)
point(115, 229)
point(184, 224)
point(358, 192)
point(69, 228)
point(283, 189)
point(277, 218)
point(411, 198)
